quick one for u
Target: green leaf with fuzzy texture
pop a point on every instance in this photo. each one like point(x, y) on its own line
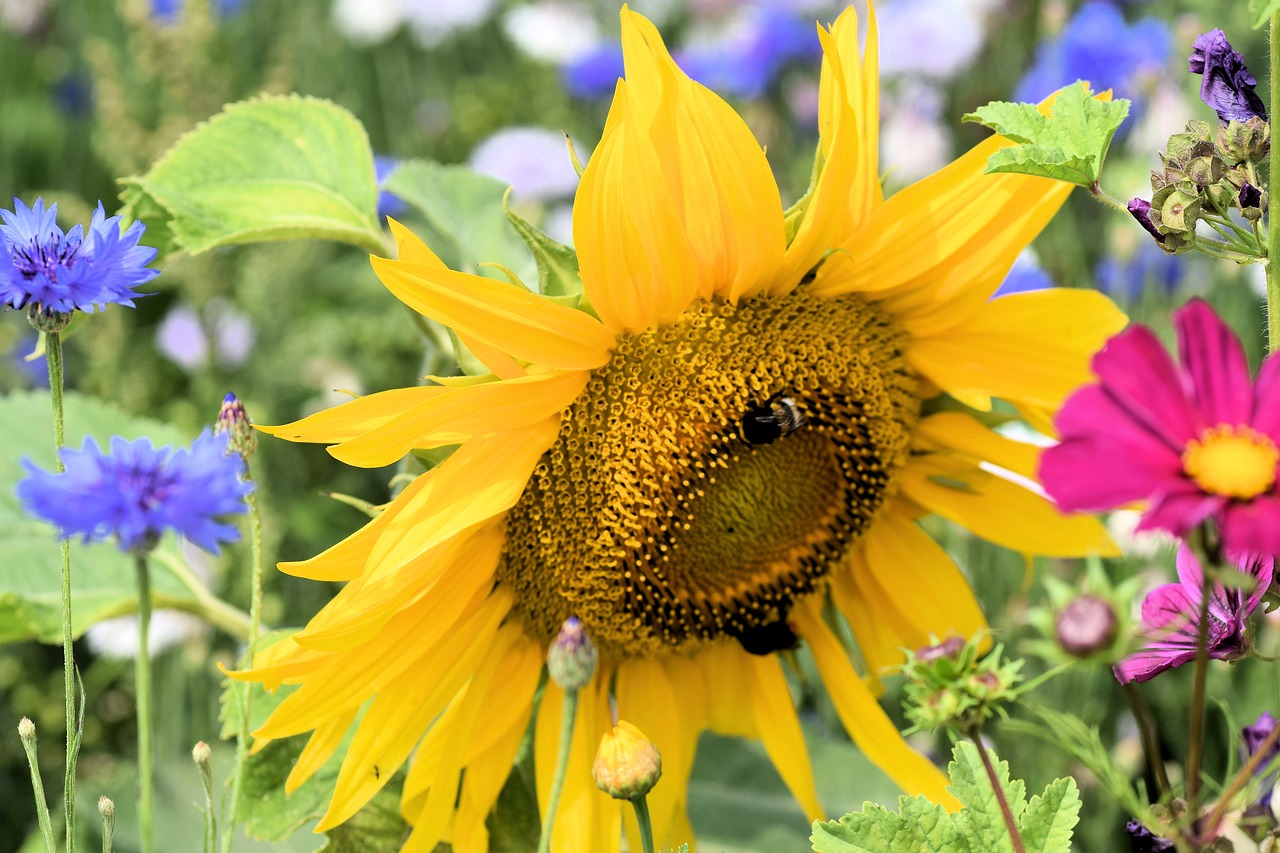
point(918, 826)
point(272, 168)
point(1070, 144)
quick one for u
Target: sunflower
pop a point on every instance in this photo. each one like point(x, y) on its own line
point(720, 451)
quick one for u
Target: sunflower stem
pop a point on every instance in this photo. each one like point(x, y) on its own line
point(568, 712)
point(255, 625)
point(142, 673)
point(1273, 223)
point(976, 736)
point(53, 356)
point(641, 805)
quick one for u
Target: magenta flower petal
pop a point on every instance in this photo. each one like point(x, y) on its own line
point(1181, 509)
point(1214, 358)
point(1143, 380)
point(1253, 526)
point(1146, 665)
point(1171, 610)
point(1266, 400)
point(1070, 478)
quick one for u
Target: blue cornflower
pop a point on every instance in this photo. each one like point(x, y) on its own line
point(167, 11)
point(72, 271)
point(138, 492)
point(748, 59)
point(1149, 268)
point(389, 204)
point(1025, 275)
point(594, 74)
point(1099, 46)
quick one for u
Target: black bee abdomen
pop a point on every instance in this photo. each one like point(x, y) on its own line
point(761, 426)
point(767, 639)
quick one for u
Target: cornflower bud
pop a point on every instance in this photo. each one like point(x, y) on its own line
point(627, 765)
point(26, 730)
point(201, 755)
point(1086, 625)
point(234, 421)
point(106, 807)
point(571, 659)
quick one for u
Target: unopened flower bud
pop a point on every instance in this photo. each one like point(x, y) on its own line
point(1250, 200)
point(106, 807)
point(948, 648)
point(26, 729)
point(234, 421)
point(1206, 169)
point(1245, 141)
point(571, 659)
point(1141, 211)
point(627, 765)
point(201, 754)
point(1086, 625)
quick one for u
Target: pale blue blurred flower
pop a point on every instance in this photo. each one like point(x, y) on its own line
point(1025, 276)
point(1150, 268)
point(919, 38)
point(533, 161)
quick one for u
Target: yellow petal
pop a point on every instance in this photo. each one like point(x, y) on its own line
point(505, 316)
point(354, 418)
point(460, 413)
point(346, 560)
point(864, 720)
point(728, 690)
point(322, 743)
point(848, 186)
point(410, 248)
point(779, 727)
point(1031, 348)
point(920, 582)
point(502, 365)
point(877, 626)
point(1001, 511)
point(402, 710)
point(483, 478)
point(967, 436)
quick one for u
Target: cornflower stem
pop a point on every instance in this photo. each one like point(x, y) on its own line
point(108, 831)
point(142, 673)
point(210, 816)
point(1238, 781)
point(567, 714)
point(976, 736)
point(251, 649)
point(1150, 742)
point(53, 356)
point(641, 805)
point(37, 785)
point(1273, 223)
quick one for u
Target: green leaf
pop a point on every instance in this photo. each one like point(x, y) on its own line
point(1045, 824)
point(1070, 144)
point(377, 826)
point(1262, 10)
point(557, 263)
point(464, 213)
point(102, 578)
point(273, 168)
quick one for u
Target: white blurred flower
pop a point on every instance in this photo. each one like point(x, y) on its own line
point(1123, 527)
point(929, 38)
point(367, 21)
point(534, 161)
point(552, 31)
point(432, 21)
point(914, 142)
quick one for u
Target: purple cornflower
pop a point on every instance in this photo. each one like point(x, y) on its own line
point(1171, 613)
point(72, 271)
point(1251, 739)
point(138, 492)
point(1227, 86)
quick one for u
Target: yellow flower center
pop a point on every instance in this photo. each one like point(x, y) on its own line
point(1232, 460)
point(712, 473)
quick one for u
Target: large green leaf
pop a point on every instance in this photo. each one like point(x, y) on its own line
point(465, 214)
point(273, 168)
point(102, 578)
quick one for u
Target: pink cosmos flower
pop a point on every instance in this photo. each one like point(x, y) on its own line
point(1197, 439)
point(1171, 617)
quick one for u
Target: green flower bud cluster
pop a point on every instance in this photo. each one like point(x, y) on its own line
point(951, 684)
point(1204, 176)
point(1086, 621)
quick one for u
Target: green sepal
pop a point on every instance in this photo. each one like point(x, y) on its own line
point(1070, 144)
point(557, 263)
point(271, 168)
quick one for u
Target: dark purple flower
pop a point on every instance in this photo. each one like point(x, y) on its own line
point(1142, 840)
point(1141, 210)
point(1251, 740)
point(1227, 85)
point(1171, 613)
point(1250, 196)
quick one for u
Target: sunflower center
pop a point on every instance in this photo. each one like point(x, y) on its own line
point(1232, 460)
point(712, 473)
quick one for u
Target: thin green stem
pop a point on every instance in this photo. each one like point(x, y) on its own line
point(53, 355)
point(142, 671)
point(1238, 781)
point(1198, 542)
point(567, 715)
point(255, 625)
point(1232, 236)
point(1150, 741)
point(1273, 222)
point(214, 610)
point(1222, 251)
point(641, 805)
point(37, 785)
point(1005, 811)
point(1101, 195)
